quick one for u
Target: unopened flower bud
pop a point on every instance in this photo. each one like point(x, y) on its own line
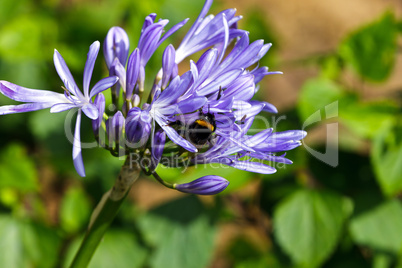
point(114, 127)
point(116, 45)
point(138, 126)
point(100, 105)
point(207, 185)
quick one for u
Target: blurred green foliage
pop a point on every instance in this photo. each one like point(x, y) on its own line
point(307, 215)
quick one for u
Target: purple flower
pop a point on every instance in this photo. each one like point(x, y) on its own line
point(208, 31)
point(138, 127)
point(72, 97)
point(114, 127)
point(150, 39)
point(166, 105)
point(207, 185)
point(200, 116)
point(116, 45)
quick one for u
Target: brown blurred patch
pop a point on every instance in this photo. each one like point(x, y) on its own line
point(310, 28)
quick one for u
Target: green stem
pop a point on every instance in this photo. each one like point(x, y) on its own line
point(161, 181)
point(105, 212)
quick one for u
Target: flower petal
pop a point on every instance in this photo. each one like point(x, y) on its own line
point(116, 45)
point(89, 66)
point(65, 75)
point(253, 167)
point(190, 105)
point(22, 108)
point(103, 84)
point(207, 185)
point(172, 31)
point(61, 107)
point(77, 156)
point(133, 70)
point(23, 94)
point(100, 105)
point(169, 66)
point(158, 144)
point(175, 137)
point(90, 111)
point(190, 33)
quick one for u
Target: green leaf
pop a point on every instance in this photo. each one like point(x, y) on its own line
point(365, 118)
point(386, 156)
point(26, 245)
point(117, 249)
point(75, 210)
point(308, 225)
point(181, 233)
point(17, 170)
point(371, 50)
point(379, 228)
point(317, 94)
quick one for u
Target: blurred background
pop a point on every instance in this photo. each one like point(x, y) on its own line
point(338, 205)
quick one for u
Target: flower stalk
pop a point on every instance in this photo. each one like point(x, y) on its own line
point(105, 212)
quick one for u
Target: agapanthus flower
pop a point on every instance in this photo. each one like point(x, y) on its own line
point(72, 98)
point(200, 116)
point(220, 86)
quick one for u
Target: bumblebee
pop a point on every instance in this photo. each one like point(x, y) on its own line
point(201, 130)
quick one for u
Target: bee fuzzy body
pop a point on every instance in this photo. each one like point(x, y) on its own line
point(201, 130)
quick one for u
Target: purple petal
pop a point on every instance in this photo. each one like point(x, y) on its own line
point(289, 135)
point(65, 75)
point(169, 66)
point(175, 137)
point(90, 111)
point(100, 105)
point(114, 126)
point(89, 66)
point(22, 108)
point(158, 144)
point(149, 40)
point(259, 137)
point(272, 158)
point(222, 81)
point(268, 107)
point(253, 167)
point(241, 89)
point(205, 64)
point(274, 147)
point(149, 20)
point(23, 94)
point(235, 141)
point(176, 88)
point(190, 105)
point(133, 69)
point(203, 13)
point(138, 126)
point(61, 107)
point(225, 39)
point(103, 84)
point(172, 31)
point(207, 185)
point(116, 45)
point(251, 112)
point(77, 156)
point(118, 69)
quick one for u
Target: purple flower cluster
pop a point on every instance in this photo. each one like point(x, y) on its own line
point(203, 115)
